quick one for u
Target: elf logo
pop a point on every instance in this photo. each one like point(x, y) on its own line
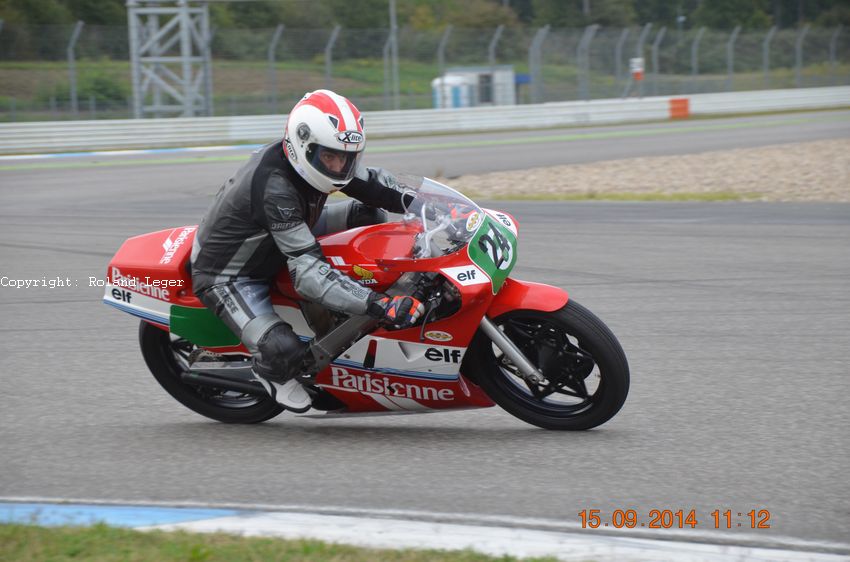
point(466, 275)
point(505, 220)
point(443, 355)
point(122, 295)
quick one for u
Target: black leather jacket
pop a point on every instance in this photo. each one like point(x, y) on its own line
point(261, 220)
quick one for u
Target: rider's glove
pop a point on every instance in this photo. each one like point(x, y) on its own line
point(384, 178)
point(401, 312)
point(377, 176)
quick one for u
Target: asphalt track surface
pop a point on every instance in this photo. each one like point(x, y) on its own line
point(735, 318)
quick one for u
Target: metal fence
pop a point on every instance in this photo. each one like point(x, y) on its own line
point(83, 71)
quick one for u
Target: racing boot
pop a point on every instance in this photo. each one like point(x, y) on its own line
point(295, 393)
point(291, 394)
point(283, 364)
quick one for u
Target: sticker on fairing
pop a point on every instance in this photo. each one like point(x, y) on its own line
point(493, 249)
point(473, 221)
point(503, 218)
point(438, 335)
point(466, 275)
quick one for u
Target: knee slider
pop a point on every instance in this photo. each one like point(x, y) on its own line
point(281, 353)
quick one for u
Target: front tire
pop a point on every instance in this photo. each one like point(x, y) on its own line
point(167, 358)
point(585, 370)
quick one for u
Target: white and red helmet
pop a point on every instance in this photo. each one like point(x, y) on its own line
point(324, 122)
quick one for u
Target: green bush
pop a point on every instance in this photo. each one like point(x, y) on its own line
point(95, 82)
point(103, 86)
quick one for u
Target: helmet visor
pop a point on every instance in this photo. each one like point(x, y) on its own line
point(336, 164)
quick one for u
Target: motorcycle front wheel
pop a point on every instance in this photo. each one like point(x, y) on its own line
point(586, 374)
point(167, 357)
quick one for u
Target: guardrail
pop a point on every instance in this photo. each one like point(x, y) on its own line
point(69, 136)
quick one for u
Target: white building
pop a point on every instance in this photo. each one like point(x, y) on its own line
point(469, 86)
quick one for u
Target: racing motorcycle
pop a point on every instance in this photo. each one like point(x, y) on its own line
point(485, 338)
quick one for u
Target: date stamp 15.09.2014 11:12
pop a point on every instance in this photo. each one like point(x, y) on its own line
point(675, 519)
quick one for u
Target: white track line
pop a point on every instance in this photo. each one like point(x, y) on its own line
point(497, 535)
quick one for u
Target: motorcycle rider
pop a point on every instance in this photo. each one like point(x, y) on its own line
point(269, 213)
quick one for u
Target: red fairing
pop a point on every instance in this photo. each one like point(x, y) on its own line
point(356, 253)
point(526, 295)
point(376, 256)
point(156, 265)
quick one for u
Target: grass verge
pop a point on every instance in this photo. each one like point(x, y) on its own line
point(101, 543)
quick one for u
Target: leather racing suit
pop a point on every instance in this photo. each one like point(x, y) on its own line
point(264, 217)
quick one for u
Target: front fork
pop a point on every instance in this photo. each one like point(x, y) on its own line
point(527, 370)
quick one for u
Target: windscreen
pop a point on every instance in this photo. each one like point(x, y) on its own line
point(447, 219)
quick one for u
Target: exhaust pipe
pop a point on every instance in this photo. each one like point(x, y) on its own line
point(236, 377)
point(203, 379)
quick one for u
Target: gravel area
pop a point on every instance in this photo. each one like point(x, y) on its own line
point(811, 171)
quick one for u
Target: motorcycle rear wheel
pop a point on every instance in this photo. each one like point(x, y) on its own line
point(166, 357)
point(586, 371)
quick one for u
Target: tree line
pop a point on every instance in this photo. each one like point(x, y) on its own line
point(435, 14)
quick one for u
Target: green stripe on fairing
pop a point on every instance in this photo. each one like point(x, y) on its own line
point(201, 327)
point(593, 135)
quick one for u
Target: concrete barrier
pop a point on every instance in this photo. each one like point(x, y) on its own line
point(69, 136)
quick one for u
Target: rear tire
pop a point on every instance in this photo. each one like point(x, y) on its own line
point(586, 372)
point(166, 357)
